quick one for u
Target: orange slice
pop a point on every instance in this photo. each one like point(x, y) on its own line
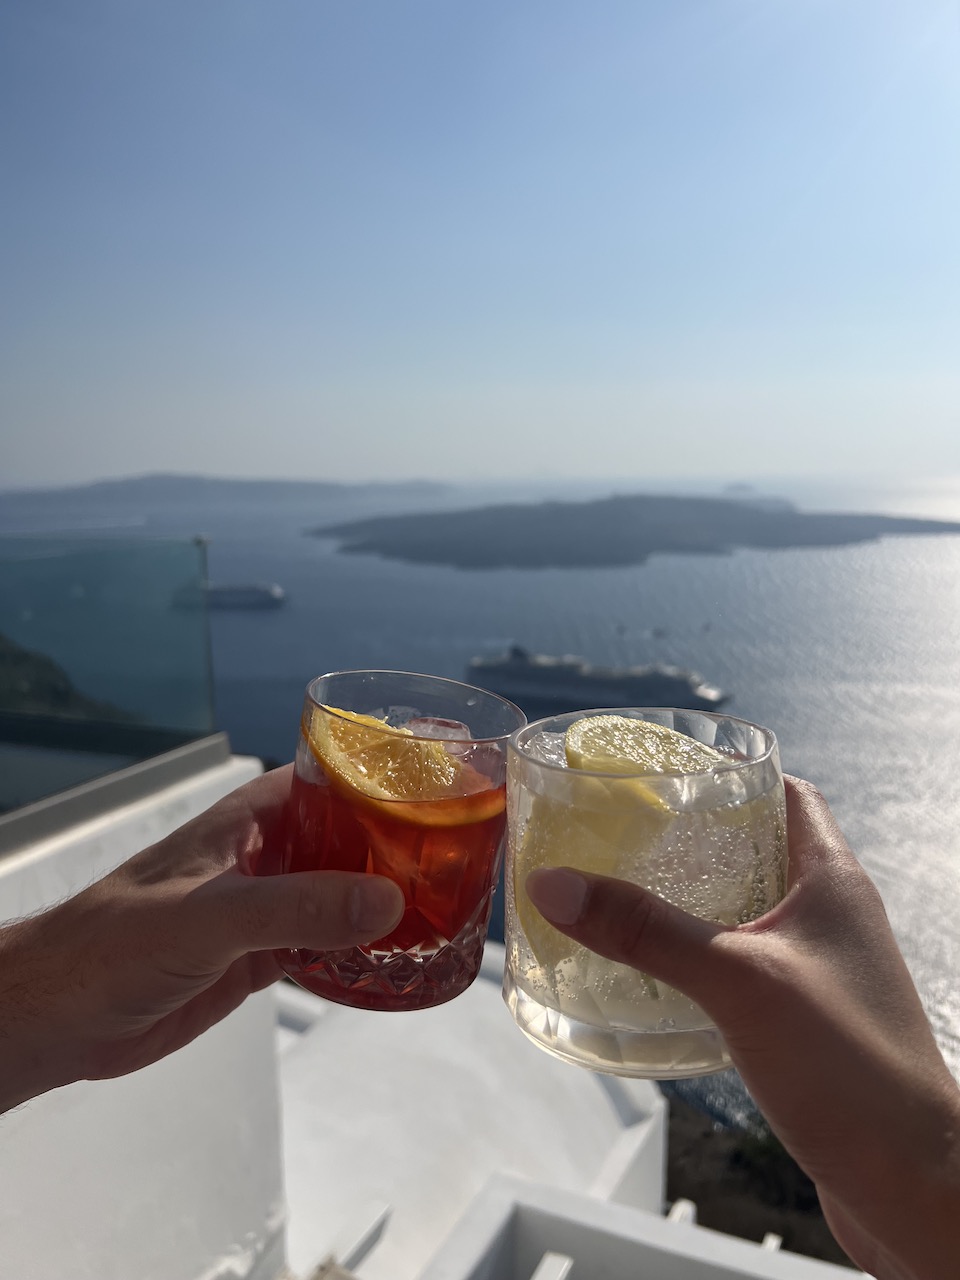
point(390, 769)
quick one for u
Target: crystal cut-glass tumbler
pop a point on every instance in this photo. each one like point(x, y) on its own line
point(401, 775)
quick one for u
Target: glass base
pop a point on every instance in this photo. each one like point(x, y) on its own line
point(646, 1055)
point(393, 980)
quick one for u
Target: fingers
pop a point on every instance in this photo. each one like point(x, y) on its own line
point(268, 792)
point(709, 962)
point(265, 800)
point(625, 923)
point(632, 926)
point(260, 802)
point(321, 910)
point(813, 834)
point(237, 829)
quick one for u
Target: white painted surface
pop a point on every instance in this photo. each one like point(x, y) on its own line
point(170, 1174)
point(511, 1225)
point(553, 1266)
point(50, 869)
point(417, 1110)
point(682, 1211)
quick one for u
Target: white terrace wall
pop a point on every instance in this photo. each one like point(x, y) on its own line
point(170, 1174)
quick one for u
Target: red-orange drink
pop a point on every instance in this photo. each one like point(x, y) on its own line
point(447, 874)
point(426, 812)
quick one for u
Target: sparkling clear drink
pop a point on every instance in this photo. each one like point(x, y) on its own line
point(712, 842)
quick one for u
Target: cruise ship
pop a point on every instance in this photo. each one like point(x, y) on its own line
point(544, 685)
point(242, 595)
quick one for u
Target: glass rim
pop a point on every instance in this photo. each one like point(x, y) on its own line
point(452, 684)
point(771, 747)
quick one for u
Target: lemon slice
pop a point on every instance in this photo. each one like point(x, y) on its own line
point(622, 745)
point(603, 825)
point(389, 768)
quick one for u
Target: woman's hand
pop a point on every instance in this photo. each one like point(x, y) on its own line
point(169, 943)
point(824, 1025)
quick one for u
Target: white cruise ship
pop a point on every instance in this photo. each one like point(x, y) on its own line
point(543, 685)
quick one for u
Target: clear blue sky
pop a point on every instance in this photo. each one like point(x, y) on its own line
point(396, 238)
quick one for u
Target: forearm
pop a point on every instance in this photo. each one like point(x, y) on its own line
point(901, 1219)
point(31, 1051)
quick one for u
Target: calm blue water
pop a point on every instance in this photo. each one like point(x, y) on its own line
point(852, 655)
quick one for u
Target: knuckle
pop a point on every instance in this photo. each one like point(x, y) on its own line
point(256, 917)
point(309, 912)
point(240, 920)
point(855, 896)
point(804, 793)
point(630, 922)
point(795, 783)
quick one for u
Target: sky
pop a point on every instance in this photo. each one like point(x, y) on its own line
point(388, 239)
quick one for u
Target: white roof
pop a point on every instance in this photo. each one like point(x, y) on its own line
point(417, 1111)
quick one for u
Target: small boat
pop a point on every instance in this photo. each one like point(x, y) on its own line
point(244, 595)
point(543, 685)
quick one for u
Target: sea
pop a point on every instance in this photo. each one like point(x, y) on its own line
point(851, 654)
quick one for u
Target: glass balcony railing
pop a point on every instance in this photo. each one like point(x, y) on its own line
point(104, 658)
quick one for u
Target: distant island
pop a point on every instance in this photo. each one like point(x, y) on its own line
point(608, 532)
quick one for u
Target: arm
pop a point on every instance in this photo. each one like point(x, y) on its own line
point(826, 1028)
point(166, 945)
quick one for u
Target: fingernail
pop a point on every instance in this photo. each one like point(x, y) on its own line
point(375, 906)
point(557, 893)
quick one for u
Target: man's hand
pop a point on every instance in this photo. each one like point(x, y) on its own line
point(169, 943)
point(826, 1028)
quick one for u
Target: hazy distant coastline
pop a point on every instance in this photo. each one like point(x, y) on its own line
point(174, 487)
point(608, 532)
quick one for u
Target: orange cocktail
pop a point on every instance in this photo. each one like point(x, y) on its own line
point(403, 776)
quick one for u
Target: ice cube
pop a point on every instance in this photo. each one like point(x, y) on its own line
point(433, 727)
point(707, 791)
point(547, 748)
point(458, 741)
point(729, 787)
point(484, 757)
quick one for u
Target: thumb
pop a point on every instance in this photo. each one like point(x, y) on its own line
point(322, 910)
point(630, 925)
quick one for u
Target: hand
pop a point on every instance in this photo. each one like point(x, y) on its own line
point(824, 1025)
point(170, 942)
